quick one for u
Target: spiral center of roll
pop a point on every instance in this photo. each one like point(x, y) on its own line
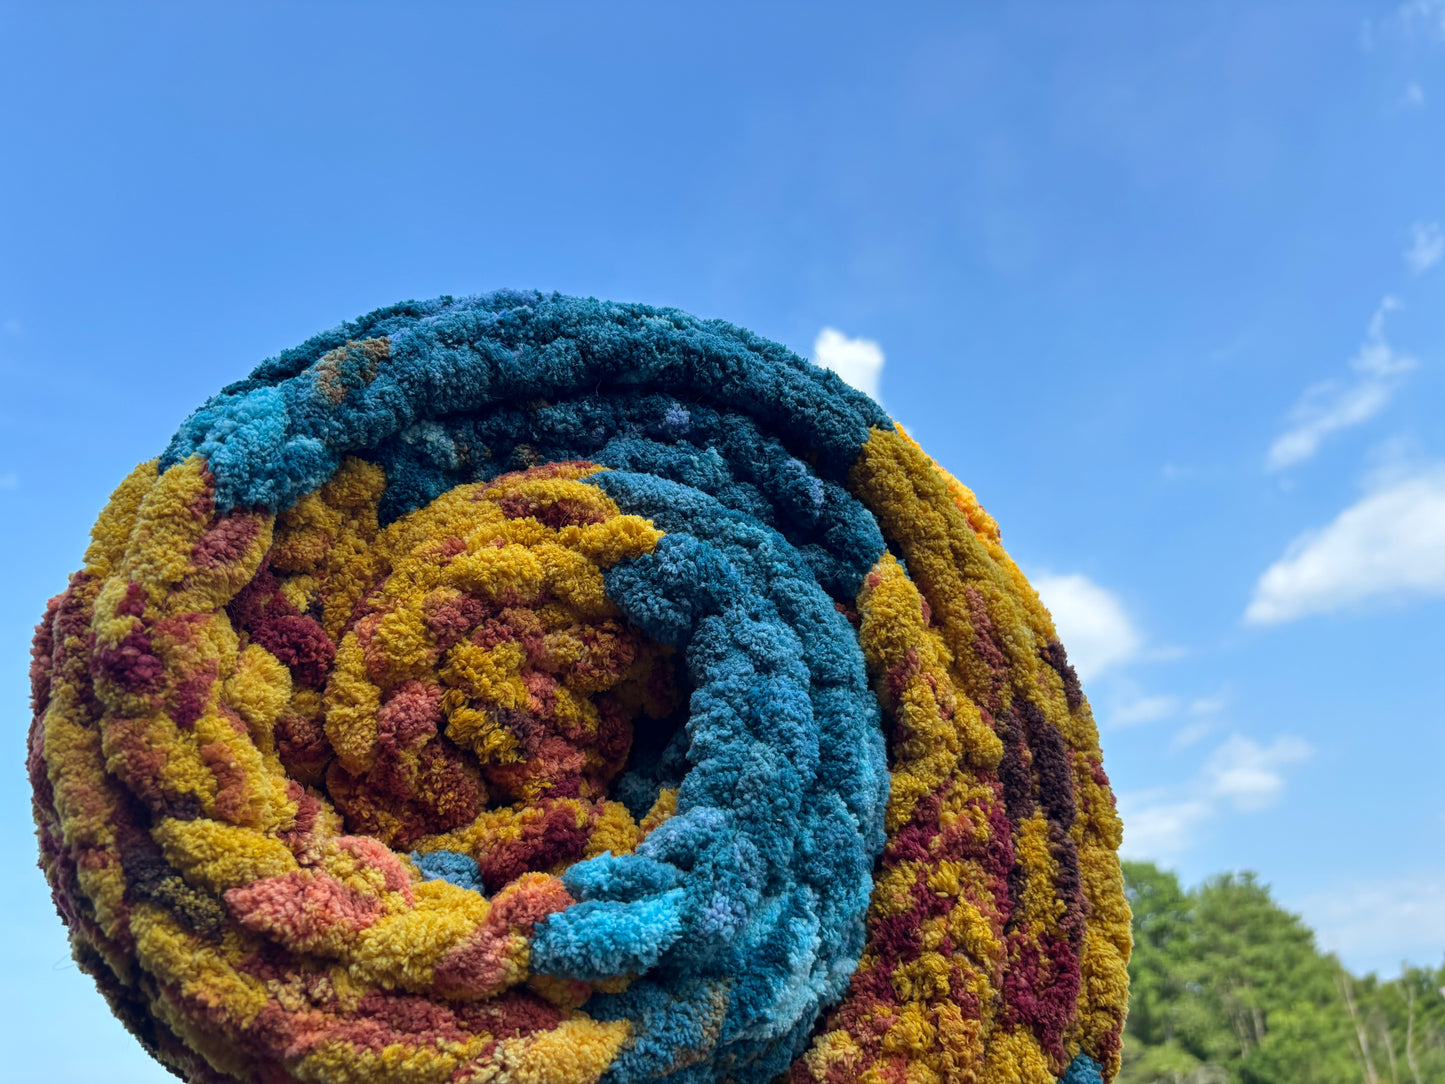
point(483, 692)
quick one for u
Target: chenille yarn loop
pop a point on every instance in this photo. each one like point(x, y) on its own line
point(532, 690)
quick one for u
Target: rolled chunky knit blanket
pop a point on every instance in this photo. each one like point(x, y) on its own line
point(531, 690)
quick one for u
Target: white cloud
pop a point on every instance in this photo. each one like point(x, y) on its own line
point(1145, 709)
point(1192, 732)
point(1395, 459)
point(1248, 775)
point(1133, 707)
point(1331, 406)
point(1427, 246)
point(1240, 776)
point(1391, 543)
point(1414, 95)
point(1091, 622)
point(1203, 720)
point(1208, 705)
point(1429, 13)
point(858, 361)
point(1159, 830)
point(1374, 925)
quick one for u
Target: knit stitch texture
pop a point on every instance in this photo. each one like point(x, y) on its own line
point(525, 689)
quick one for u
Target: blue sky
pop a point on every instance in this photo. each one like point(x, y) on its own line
point(1162, 283)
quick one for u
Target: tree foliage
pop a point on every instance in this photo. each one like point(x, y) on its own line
point(1227, 987)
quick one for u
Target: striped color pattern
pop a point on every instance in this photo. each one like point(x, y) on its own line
point(525, 689)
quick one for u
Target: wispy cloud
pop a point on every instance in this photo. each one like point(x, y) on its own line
point(1240, 776)
point(12, 327)
point(1091, 621)
point(1200, 721)
point(1250, 776)
point(1142, 708)
point(858, 361)
point(1159, 830)
point(1428, 15)
point(1389, 544)
point(9, 480)
point(1145, 709)
point(1333, 405)
point(1413, 96)
point(1209, 705)
point(1374, 925)
point(1427, 246)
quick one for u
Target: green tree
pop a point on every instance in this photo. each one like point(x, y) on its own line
point(1403, 1021)
point(1229, 987)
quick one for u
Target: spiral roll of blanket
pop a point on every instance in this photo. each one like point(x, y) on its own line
point(532, 690)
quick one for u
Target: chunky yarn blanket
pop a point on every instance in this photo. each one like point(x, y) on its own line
point(525, 689)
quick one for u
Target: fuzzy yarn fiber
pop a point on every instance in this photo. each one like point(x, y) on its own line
point(525, 689)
